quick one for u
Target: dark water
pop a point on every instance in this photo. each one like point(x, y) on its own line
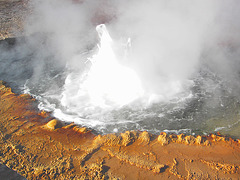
point(211, 104)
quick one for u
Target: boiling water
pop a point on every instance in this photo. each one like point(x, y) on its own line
point(109, 97)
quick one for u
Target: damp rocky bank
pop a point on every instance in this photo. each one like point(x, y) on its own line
point(38, 146)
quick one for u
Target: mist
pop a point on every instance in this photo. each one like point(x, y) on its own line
point(168, 38)
point(183, 51)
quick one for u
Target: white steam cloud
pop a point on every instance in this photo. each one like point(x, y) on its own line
point(170, 39)
point(167, 38)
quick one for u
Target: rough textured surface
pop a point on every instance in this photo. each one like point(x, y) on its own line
point(12, 14)
point(38, 146)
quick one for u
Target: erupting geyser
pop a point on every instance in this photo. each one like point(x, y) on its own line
point(107, 84)
point(178, 73)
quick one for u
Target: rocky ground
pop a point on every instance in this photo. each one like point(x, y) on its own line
point(38, 146)
point(12, 14)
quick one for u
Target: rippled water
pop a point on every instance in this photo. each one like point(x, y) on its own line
point(207, 105)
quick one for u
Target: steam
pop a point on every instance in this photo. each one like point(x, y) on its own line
point(168, 37)
point(107, 84)
point(65, 27)
point(222, 45)
point(168, 50)
point(169, 40)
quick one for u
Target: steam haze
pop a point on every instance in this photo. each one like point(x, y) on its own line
point(186, 54)
point(168, 37)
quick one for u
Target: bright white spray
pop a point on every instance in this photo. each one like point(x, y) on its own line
point(107, 84)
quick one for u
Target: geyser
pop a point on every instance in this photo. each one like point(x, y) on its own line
point(106, 84)
point(178, 71)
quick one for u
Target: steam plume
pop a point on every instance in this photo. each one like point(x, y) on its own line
point(168, 37)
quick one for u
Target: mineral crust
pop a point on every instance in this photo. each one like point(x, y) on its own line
point(38, 146)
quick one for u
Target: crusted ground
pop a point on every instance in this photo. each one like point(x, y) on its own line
point(12, 15)
point(38, 146)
